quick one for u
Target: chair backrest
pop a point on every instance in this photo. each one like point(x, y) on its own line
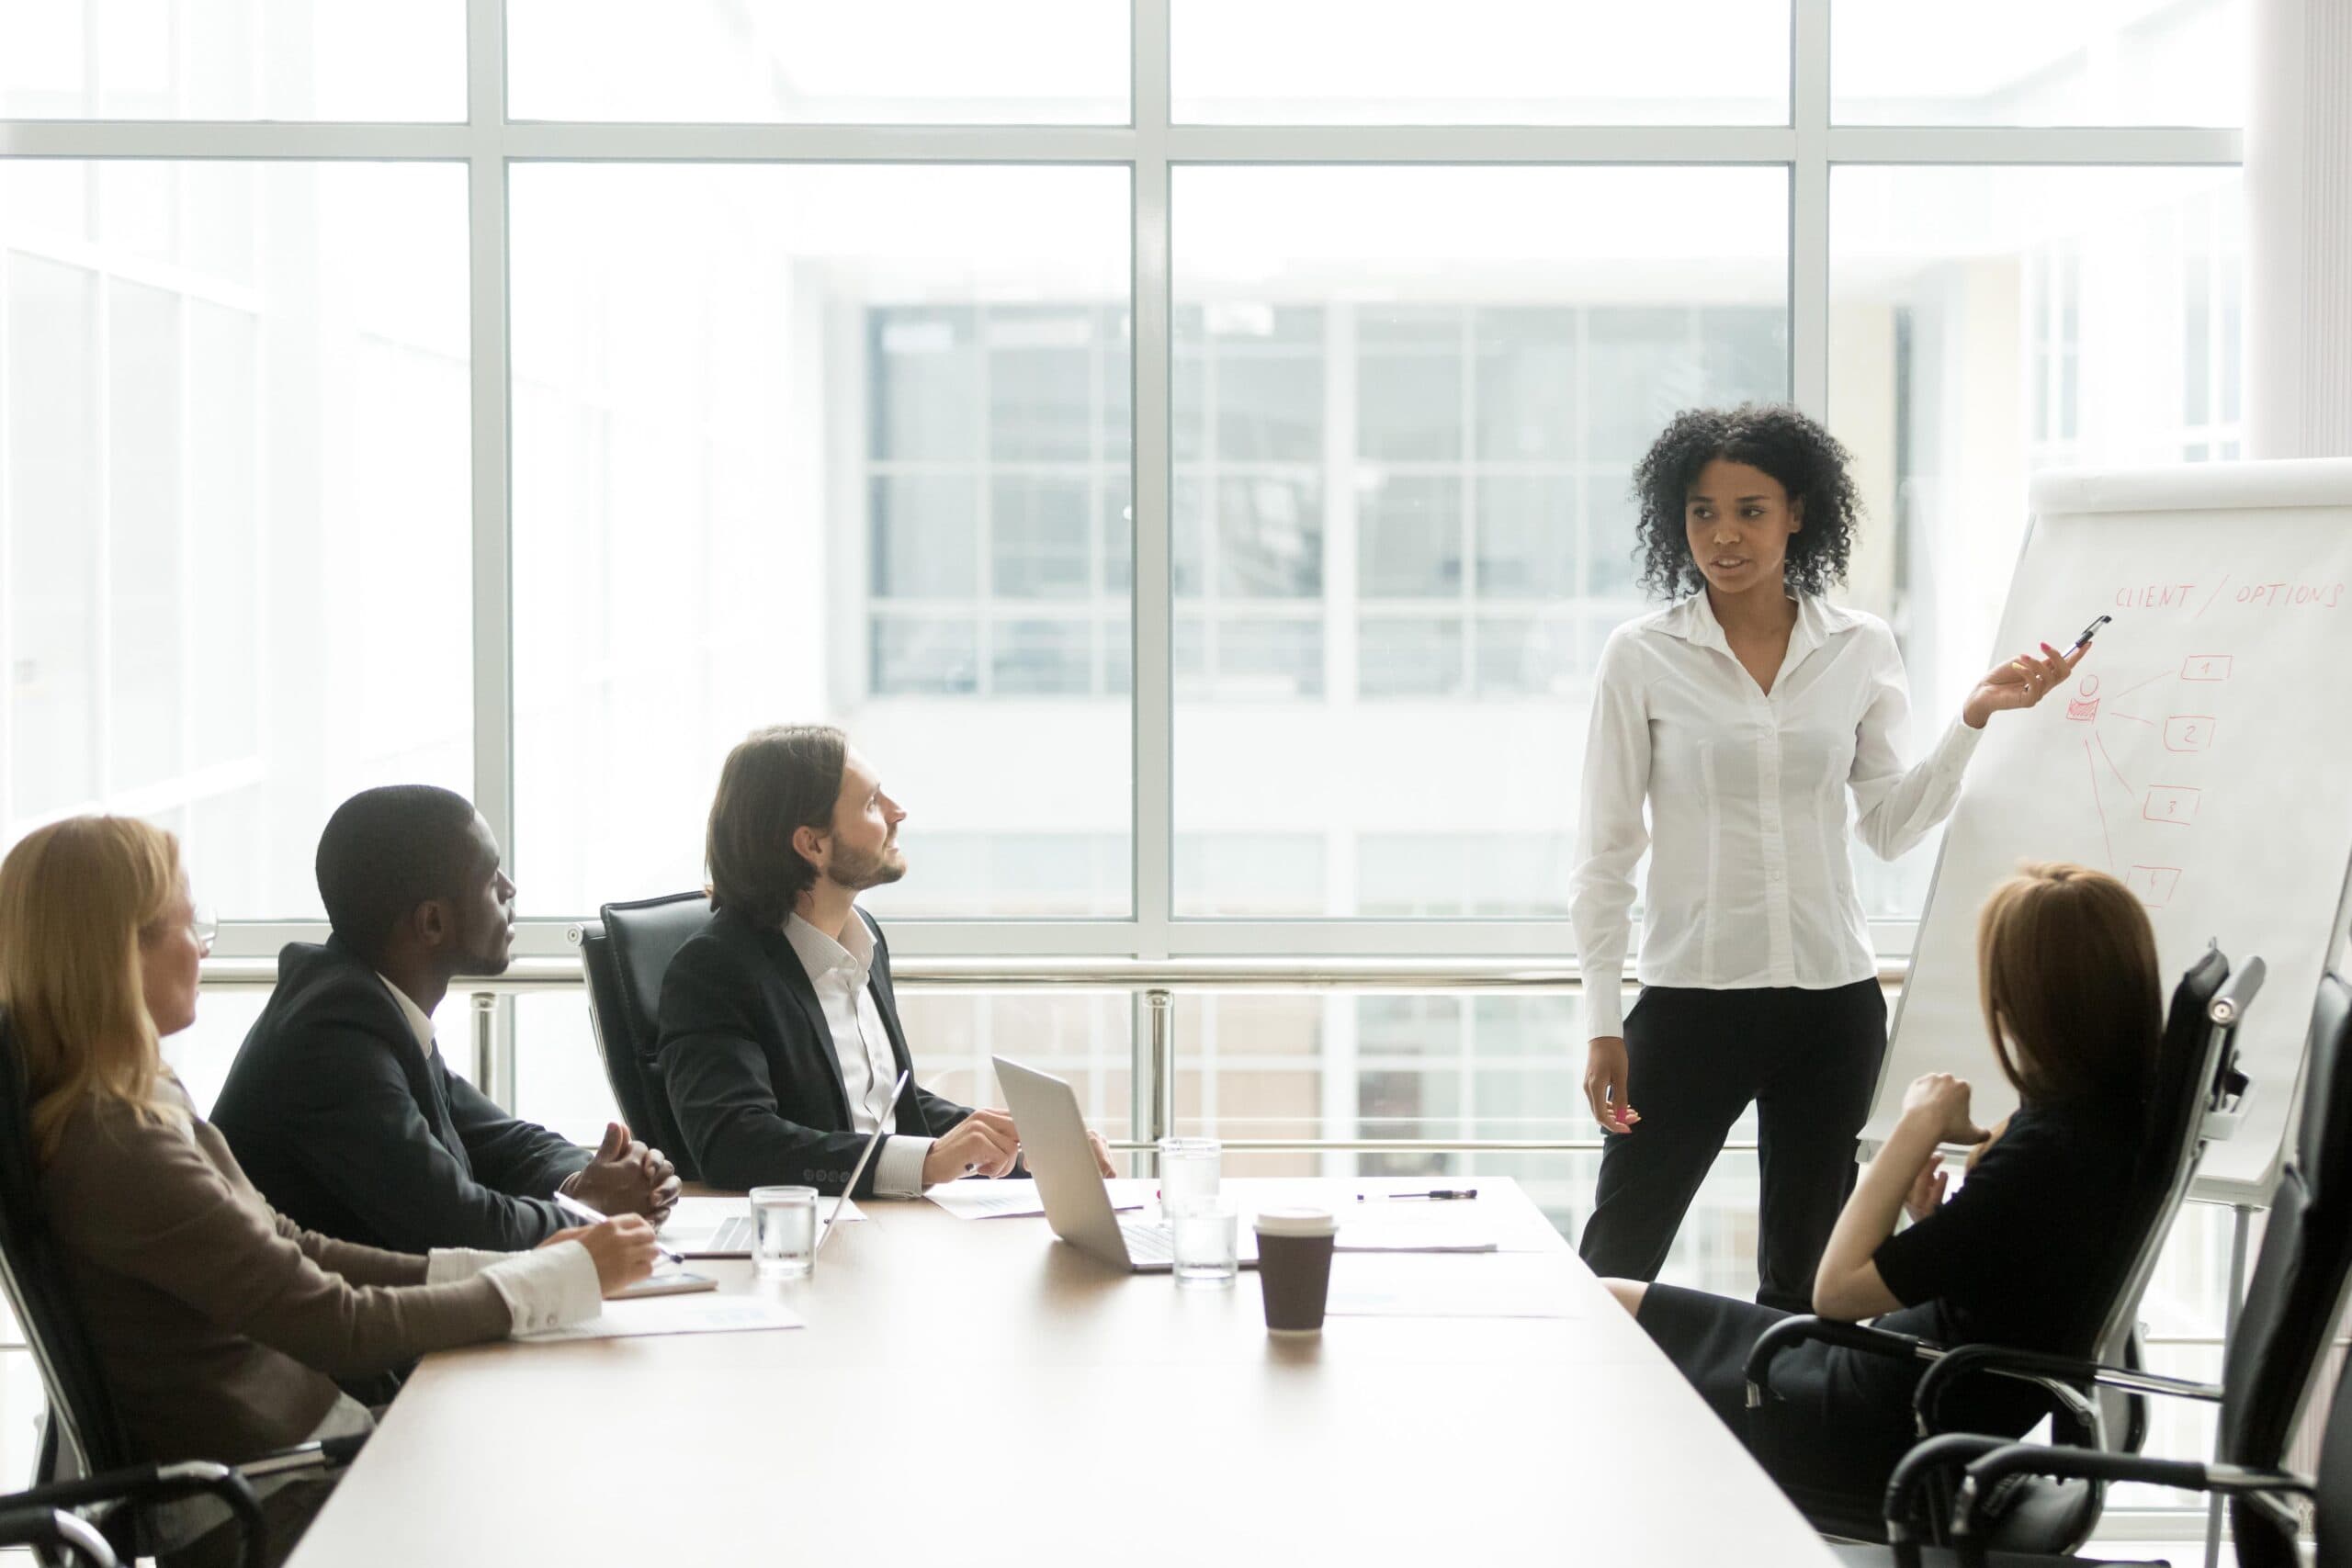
point(2296, 1291)
point(80, 1408)
point(2192, 1060)
point(623, 956)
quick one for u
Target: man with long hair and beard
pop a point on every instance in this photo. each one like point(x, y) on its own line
point(780, 1039)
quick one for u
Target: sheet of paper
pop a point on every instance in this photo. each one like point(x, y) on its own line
point(1474, 1292)
point(707, 1313)
point(980, 1198)
point(694, 1225)
point(1386, 1231)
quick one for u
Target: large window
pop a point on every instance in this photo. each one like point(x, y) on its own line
point(234, 500)
point(744, 361)
point(798, 442)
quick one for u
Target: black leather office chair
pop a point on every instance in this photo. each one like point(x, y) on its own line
point(81, 1433)
point(2264, 1492)
point(625, 954)
point(2196, 1075)
point(2293, 1300)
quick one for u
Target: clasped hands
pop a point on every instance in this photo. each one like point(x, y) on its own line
point(1937, 1104)
point(625, 1177)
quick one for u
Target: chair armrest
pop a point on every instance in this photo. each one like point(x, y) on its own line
point(2101, 1465)
point(1963, 1361)
point(1929, 1460)
point(57, 1531)
point(233, 1487)
point(1791, 1332)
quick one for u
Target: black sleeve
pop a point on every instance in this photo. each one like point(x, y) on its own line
point(939, 1114)
point(1987, 1237)
point(352, 1118)
point(716, 1072)
point(519, 1159)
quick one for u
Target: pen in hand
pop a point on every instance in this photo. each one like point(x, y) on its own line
point(586, 1215)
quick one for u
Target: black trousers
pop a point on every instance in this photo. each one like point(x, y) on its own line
point(1808, 1060)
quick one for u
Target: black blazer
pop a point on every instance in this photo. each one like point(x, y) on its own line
point(349, 1130)
point(748, 1063)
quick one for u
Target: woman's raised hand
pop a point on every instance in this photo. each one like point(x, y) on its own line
point(1940, 1101)
point(2020, 684)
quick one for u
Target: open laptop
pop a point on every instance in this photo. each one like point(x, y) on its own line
point(732, 1237)
point(1078, 1204)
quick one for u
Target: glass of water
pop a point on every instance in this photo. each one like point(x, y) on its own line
point(785, 1221)
point(1189, 1168)
point(1203, 1231)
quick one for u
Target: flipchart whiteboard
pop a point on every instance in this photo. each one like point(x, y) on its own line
point(2201, 753)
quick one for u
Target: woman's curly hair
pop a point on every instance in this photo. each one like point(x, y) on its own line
point(1774, 437)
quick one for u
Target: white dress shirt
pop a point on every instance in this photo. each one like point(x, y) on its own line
point(840, 971)
point(1749, 880)
point(547, 1287)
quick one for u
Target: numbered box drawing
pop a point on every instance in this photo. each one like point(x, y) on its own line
point(2153, 884)
point(2189, 732)
point(2175, 804)
point(2205, 666)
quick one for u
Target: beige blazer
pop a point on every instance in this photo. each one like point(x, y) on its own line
point(219, 1323)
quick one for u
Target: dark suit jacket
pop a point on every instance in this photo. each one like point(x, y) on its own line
point(350, 1130)
point(750, 1067)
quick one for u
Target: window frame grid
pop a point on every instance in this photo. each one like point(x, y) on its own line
point(1150, 145)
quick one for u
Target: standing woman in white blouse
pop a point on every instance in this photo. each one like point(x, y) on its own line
point(1743, 715)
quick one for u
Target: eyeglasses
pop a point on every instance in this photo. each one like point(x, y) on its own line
point(202, 924)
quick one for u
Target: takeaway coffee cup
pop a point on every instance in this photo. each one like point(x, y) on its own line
point(1295, 1267)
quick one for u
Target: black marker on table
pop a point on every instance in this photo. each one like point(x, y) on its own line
point(1434, 1192)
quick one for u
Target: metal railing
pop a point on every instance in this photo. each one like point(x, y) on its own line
point(1154, 984)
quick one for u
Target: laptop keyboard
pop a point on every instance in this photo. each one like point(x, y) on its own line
point(1148, 1242)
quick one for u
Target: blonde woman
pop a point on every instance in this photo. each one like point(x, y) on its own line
point(2029, 1248)
point(220, 1325)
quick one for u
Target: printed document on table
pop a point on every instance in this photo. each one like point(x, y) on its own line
point(1385, 1230)
point(1465, 1288)
point(980, 1198)
point(708, 1314)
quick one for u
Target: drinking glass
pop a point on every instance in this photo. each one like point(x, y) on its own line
point(1189, 1168)
point(1203, 1231)
point(785, 1221)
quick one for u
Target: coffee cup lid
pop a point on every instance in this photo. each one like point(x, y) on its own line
point(1300, 1220)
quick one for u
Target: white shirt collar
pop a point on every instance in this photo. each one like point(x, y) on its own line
point(1693, 620)
point(420, 1022)
point(820, 954)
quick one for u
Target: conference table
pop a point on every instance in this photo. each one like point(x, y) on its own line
point(973, 1391)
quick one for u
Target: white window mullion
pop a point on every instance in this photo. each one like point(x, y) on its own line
point(493, 643)
point(1152, 264)
point(1809, 209)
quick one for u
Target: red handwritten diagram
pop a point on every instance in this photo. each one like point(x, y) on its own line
point(2120, 727)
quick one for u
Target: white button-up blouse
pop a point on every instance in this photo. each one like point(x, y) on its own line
point(1749, 881)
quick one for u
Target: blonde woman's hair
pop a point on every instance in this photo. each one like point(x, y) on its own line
point(2066, 966)
point(74, 897)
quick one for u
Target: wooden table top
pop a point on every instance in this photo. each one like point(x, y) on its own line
point(977, 1390)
